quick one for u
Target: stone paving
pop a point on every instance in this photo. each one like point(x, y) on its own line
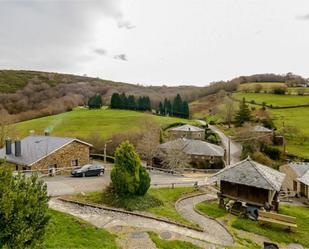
point(211, 227)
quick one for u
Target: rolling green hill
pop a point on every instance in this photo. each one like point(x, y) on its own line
point(273, 99)
point(82, 122)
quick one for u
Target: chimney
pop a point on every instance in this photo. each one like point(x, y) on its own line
point(8, 146)
point(17, 148)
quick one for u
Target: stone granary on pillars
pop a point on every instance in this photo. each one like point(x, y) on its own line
point(45, 153)
point(251, 183)
point(187, 131)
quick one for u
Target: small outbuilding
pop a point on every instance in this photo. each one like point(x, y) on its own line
point(304, 185)
point(250, 182)
point(45, 153)
point(187, 131)
point(294, 172)
point(201, 154)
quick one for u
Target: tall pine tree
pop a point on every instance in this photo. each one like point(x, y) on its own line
point(131, 102)
point(177, 106)
point(244, 114)
point(186, 111)
point(115, 101)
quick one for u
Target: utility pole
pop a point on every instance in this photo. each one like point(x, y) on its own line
point(229, 151)
point(105, 150)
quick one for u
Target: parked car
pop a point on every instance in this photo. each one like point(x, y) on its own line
point(88, 170)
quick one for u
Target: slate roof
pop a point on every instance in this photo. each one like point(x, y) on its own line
point(251, 173)
point(187, 128)
point(259, 128)
point(194, 147)
point(305, 178)
point(299, 168)
point(35, 148)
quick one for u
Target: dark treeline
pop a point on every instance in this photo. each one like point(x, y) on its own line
point(122, 101)
point(177, 108)
point(95, 101)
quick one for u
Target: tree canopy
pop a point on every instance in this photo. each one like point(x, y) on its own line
point(95, 101)
point(243, 114)
point(23, 210)
point(177, 108)
point(121, 101)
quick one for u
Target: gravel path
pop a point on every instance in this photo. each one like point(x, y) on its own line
point(109, 219)
point(211, 227)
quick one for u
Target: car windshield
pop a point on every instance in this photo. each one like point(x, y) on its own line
point(85, 167)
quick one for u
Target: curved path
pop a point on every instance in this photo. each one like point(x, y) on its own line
point(109, 219)
point(211, 227)
point(235, 148)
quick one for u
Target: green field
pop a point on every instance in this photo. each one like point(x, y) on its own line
point(266, 86)
point(273, 99)
point(82, 122)
point(298, 118)
point(67, 232)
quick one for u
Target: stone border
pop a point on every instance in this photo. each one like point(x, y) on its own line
point(130, 213)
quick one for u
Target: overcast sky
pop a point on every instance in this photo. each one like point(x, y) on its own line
point(156, 42)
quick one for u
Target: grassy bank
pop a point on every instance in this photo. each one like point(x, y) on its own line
point(158, 201)
point(82, 122)
point(67, 232)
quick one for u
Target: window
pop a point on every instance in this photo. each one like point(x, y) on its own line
point(74, 162)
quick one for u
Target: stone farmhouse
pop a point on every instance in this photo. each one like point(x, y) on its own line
point(297, 179)
point(45, 153)
point(201, 154)
point(187, 131)
point(250, 182)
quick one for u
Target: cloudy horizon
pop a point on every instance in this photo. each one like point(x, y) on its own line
point(159, 42)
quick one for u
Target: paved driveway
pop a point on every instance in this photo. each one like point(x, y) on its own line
point(62, 185)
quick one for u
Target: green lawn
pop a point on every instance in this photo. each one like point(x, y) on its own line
point(158, 201)
point(299, 118)
point(171, 244)
point(211, 209)
point(67, 232)
point(83, 122)
point(273, 232)
point(273, 99)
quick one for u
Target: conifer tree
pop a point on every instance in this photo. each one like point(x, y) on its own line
point(185, 109)
point(131, 102)
point(177, 106)
point(244, 114)
point(115, 101)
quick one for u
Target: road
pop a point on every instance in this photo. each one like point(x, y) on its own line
point(235, 148)
point(63, 185)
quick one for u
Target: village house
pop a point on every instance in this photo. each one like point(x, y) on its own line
point(187, 131)
point(297, 178)
point(250, 182)
point(45, 153)
point(200, 153)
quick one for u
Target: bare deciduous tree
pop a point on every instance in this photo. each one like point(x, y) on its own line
point(6, 129)
point(175, 158)
point(150, 140)
point(228, 110)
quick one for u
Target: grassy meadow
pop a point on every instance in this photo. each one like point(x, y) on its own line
point(82, 122)
point(265, 86)
point(273, 99)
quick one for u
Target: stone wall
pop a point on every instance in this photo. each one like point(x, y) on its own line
point(64, 156)
point(290, 177)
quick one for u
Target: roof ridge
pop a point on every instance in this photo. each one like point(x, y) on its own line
point(260, 172)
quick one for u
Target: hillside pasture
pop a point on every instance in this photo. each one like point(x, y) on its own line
point(273, 99)
point(82, 122)
point(298, 144)
point(265, 86)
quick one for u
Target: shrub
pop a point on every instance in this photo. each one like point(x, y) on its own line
point(280, 90)
point(271, 152)
point(144, 181)
point(23, 210)
point(263, 159)
point(128, 177)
